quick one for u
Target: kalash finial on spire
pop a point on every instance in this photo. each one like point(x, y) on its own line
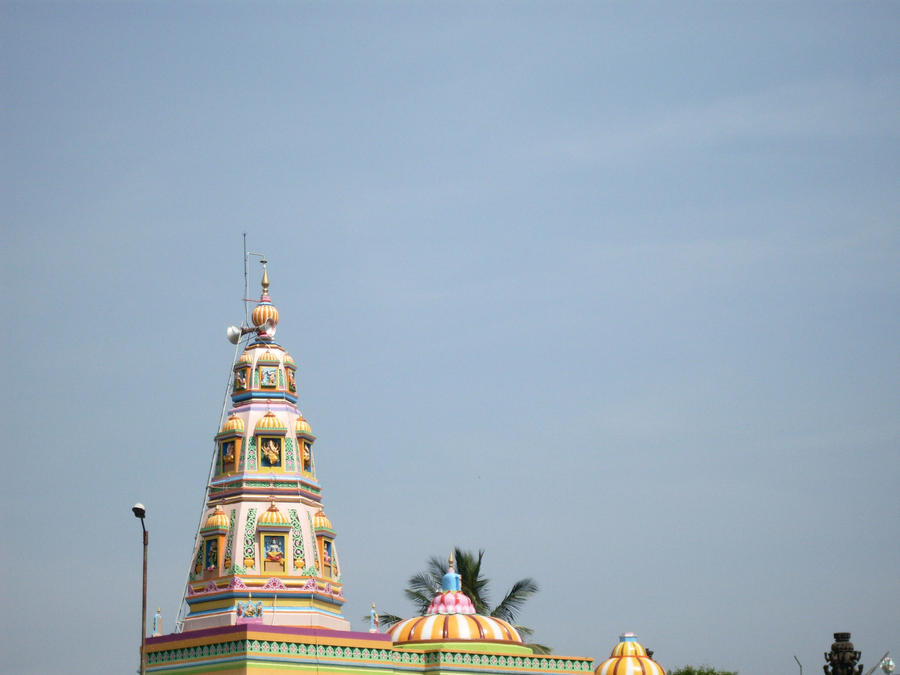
point(265, 280)
point(451, 595)
point(265, 314)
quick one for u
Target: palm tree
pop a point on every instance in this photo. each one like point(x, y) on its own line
point(422, 587)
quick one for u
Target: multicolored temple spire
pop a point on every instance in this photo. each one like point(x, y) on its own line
point(265, 552)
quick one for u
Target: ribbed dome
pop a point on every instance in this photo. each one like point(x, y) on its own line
point(303, 426)
point(629, 656)
point(233, 423)
point(454, 627)
point(321, 522)
point(288, 359)
point(268, 357)
point(272, 516)
point(263, 312)
point(246, 357)
point(269, 422)
point(217, 520)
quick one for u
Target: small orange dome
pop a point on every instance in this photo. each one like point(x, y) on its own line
point(303, 426)
point(233, 423)
point(269, 422)
point(321, 521)
point(272, 516)
point(217, 520)
point(268, 357)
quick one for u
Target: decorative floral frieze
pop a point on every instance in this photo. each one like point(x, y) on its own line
point(250, 540)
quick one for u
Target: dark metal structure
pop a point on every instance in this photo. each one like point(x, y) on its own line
point(842, 659)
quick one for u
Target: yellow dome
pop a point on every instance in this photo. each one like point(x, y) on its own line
point(268, 357)
point(629, 656)
point(246, 357)
point(321, 522)
point(453, 628)
point(303, 426)
point(263, 312)
point(217, 520)
point(233, 423)
point(288, 359)
point(273, 516)
point(269, 422)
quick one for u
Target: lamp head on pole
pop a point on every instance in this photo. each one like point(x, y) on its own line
point(139, 510)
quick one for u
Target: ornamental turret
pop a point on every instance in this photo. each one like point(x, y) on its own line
point(451, 617)
point(265, 551)
point(629, 656)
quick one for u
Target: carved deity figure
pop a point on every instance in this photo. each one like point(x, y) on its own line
point(842, 659)
point(240, 380)
point(249, 609)
point(269, 377)
point(373, 620)
point(274, 552)
point(212, 555)
point(271, 451)
point(306, 457)
point(228, 454)
point(157, 622)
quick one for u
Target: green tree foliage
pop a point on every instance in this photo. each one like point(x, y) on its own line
point(701, 670)
point(423, 586)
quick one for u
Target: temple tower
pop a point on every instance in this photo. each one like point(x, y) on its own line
point(265, 552)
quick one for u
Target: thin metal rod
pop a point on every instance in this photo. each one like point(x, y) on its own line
point(144, 603)
point(246, 284)
point(880, 661)
point(179, 624)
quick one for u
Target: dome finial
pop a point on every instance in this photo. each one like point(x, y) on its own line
point(265, 315)
point(451, 581)
point(265, 279)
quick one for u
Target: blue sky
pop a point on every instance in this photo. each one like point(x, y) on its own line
point(609, 290)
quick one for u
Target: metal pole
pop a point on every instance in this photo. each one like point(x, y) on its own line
point(799, 664)
point(144, 604)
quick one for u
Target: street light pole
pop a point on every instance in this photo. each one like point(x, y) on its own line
point(140, 512)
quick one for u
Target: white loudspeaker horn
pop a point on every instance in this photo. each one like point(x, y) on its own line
point(268, 329)
point(233, 333)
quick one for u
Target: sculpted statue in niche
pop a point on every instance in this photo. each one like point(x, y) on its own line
point(268, 377)
point(306, 456)
point(240, 379)
point(270, 449)
point(227, 455)
point(273, 548)
point(292, 385)
point(212, 555)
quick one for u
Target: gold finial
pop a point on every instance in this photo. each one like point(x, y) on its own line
point(450, 561)
point(265, 279)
